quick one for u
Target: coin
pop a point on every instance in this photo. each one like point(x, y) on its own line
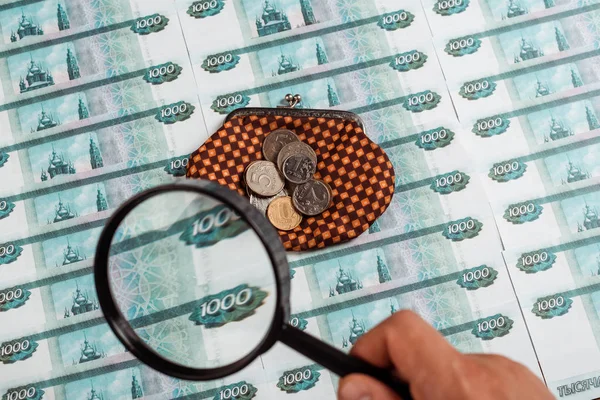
point(263, 178)
point(275, 141)
point(298, 168)
point(248, 191)
point(295, 148)
point(262, 203)
point(312, 198)
point(282, 215)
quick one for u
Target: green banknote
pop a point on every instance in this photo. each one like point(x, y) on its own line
point(433, 179)
point(77, 177)
point(542, 168)
point(524, 85)
point(65, 104)
point(31, 22)
point(558, 286)
point(140, 138)
point(397, 262)
point(310, 51)
point(246, 23)
point(451, 16)
point(489, 330)
point(82, 74)
point(550, 265)
point(564, 211)
point(472, 53)
point(96, 56)
point(541, 123)
point(418, 95)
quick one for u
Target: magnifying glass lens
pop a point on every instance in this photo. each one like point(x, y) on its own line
point(192, 279)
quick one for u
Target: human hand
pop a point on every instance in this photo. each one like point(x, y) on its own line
point(433, 369)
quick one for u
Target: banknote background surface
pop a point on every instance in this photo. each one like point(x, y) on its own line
point(488, 110)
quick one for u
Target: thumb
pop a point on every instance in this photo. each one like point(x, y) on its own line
point(363, 387)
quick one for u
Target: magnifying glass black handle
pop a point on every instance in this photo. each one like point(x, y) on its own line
point(338, 362)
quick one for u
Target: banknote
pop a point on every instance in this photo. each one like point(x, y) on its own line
point(343, 327)
point(31, 119)
point(517, 86)
point(570, 316)
point(550, 265)
point(557, 285)
point(130, 379)
point(336, 51)
point(541, 169)
point(32, 22)
point(98, 383)
point(565, 211)
point(447, 17)
point(470, 54)
point(127, 378)
point(303, 380)
point(123, 72)
point(540, 123)
point(256, 23)
point(431, 168)
point(313, 51)
point(64, 172)
point(48, 292)
point(359, 88)
point(360, 277)
point(51, 352)
point(97, 55)
point(102, 145)
point(62, 212)
point(398, 264)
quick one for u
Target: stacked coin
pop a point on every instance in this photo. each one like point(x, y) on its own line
point(282, 186)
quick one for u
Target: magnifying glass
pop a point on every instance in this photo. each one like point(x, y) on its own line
point(194, 281)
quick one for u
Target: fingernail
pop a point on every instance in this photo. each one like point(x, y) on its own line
point(353, 391)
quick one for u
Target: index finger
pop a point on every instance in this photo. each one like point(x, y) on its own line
point(409, 344)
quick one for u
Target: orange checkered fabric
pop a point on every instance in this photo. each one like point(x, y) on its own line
point(358, 171)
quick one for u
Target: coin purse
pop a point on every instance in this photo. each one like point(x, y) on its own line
point(358, 171)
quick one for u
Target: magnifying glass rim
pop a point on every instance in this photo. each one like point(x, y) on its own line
point(120, 325)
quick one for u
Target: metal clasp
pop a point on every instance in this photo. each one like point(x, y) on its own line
point(292, 100)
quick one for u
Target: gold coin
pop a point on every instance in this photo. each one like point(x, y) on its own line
point(282, 214)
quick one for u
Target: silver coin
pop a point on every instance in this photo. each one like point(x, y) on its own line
point(295, 148)
point(275, 141)
point(312, 198)
point(262, 203)
point(248, 190)
point(298, 168)
point(263, 178)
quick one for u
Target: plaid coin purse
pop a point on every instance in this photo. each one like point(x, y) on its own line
point(358, 171)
